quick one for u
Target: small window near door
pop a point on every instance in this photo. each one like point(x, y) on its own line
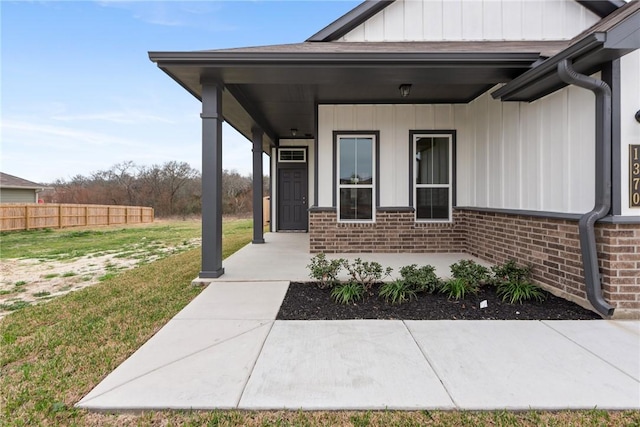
point(432, 176)
point(292, 155)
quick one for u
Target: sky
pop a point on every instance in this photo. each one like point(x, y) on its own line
point(78, 93)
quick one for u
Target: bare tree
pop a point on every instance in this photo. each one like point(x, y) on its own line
point(174, 188)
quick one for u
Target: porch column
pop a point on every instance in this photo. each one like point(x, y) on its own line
point(258, 219)
point(211, 181)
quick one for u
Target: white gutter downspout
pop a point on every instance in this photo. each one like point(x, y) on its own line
point(593, 279)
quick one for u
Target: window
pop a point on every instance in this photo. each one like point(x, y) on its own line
point(292, 155)
point(356, 177)
point(432, 176)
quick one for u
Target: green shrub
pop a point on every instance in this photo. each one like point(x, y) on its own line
point(421, 279)
point(397, 292)
point(325, 271)
point(513, 283)
point(470, 271)
point(510, 272)
point(347, 293)
point(516, 292)
point(366, 273)
point(457, 288)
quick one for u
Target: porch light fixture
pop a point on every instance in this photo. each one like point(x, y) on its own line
point(638, 116)
point(294, 131)
point(405, 90)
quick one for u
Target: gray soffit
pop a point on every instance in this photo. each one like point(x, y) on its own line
point(276, 87)
point(349, 21)
point(602, 8)
point(609, 39)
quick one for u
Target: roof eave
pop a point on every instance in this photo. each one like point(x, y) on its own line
point(204, 58)
point(512, 90)
point(602, 8)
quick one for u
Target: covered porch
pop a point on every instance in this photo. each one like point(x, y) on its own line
point(286, 255)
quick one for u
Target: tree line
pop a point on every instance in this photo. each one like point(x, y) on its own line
point(173, 188)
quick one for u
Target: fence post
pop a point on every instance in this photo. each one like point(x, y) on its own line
point(26, 217)
point(108, 215)
point(126, 215)
point(59, 215)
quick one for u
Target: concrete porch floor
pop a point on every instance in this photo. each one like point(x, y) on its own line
point(285, 256)
point(225, 350)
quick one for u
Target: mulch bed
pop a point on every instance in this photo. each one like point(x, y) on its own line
point(306, 301)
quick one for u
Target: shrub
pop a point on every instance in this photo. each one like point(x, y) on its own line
point(513, 283)
point(510, 272)
point(457, 288)
point(397, 292)
point(421, 279)
point(366, 273)
point(347, 293)
point(470, 271)
point(516, 292)
point(325, 271)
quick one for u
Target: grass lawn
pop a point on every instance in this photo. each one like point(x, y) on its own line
point(70, 243)
point(52, 354)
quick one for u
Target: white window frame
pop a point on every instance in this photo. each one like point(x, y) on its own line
point(304, 155)
point(416, 186)
point(374, 178)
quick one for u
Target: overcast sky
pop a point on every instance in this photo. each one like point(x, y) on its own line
point(79, 94)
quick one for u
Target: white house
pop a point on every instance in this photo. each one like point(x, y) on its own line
point(501, 128)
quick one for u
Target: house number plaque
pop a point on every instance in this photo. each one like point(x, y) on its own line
point(634, 176)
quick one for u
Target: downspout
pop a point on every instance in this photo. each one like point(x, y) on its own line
point(602, 206)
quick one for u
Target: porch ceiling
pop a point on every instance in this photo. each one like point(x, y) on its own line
point(277, 87)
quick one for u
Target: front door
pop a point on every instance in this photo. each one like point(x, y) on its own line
point(292, 197)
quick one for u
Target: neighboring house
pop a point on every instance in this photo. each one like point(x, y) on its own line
point(18, 190)
point(502, 128)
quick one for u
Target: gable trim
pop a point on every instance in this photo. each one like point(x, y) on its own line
point(349, 21)
point(602, 8)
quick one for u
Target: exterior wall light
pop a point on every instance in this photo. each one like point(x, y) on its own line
point(405, 90)
point(294, 131)
point(638, 116)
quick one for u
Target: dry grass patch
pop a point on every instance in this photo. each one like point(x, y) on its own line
point(53, 354)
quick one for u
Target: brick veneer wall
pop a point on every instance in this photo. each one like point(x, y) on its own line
point(619, 254)
point(393, 231)
point(552, 247)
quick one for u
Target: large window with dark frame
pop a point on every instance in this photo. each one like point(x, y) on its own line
point(356, 177)
point(432, 176)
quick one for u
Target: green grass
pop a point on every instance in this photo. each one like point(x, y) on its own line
point(69, 244)
point(53, 354)
point(42, 294)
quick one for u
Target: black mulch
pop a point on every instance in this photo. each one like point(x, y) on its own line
point(306, 301)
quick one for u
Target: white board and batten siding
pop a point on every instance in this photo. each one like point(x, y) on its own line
point(537, 156)
point(453, 20)
point(630, 128)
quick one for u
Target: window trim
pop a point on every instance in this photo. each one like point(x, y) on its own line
point(375, 135)
point(413, 136)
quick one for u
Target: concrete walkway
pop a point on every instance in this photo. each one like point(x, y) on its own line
point(225, 350)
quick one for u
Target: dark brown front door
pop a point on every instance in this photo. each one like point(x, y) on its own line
point(292, 197)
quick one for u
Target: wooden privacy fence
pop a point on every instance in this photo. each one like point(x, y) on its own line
point(28, 216)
